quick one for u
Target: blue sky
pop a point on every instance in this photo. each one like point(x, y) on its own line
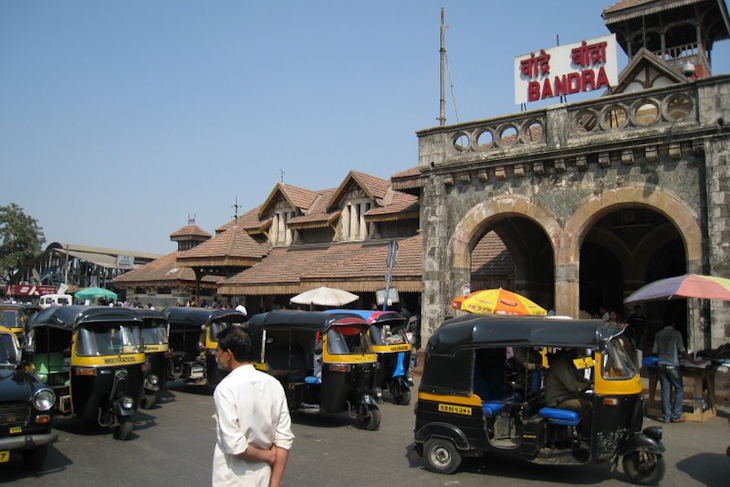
point(120, 118)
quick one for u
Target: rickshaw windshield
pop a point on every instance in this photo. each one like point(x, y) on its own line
point(154, 334)
point(619, 361)
point(11, 318)
point(218, 327)
point(108, 339)
point(348, 340)
point(386, 335)
point(8, 350)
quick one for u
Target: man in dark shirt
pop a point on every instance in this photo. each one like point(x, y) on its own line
point(563, 386)
point(669, 347)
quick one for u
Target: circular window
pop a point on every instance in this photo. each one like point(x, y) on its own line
point(614, 118)
point(461, 142)
point(677, 107)
point(585, 121)
point(485, 140)
point(647, 112)
point(533, 132)
point(508, 136)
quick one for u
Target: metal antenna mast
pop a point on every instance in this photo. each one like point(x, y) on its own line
point(235, 208)
point(442, 51)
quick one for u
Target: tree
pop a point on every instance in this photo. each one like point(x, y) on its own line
point(20, 239)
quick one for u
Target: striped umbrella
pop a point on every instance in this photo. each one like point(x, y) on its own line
point(500, 302)
point(686, 286)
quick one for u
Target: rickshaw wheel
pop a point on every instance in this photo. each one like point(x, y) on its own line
point(402, 398)
point(122, 430)
point(370, 420)
point(149, 401)
point(644, 468)
point(441, 456)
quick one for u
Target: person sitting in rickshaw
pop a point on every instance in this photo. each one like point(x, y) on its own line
point(563, 386)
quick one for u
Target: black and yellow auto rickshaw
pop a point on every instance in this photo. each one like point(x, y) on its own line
point(15, 317)
point(157, 354)
point(192, 340)
point(473, 400)
point(92, 358)
point(324, 361)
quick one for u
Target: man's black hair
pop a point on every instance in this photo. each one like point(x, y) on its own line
point(235, 339)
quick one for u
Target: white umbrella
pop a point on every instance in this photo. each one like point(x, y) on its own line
point(324, 296)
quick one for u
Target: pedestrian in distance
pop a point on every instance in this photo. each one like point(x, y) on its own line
point(669, 347)
point(253, 425)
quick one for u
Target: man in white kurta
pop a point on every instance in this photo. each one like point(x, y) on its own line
point(251, 416)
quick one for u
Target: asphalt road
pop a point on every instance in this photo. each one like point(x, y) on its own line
point(172, 445)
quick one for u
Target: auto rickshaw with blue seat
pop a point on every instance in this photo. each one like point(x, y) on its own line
point(157, 354)
point(391, 345)
point(93, 360)
point(325, 361)
point(468, 404)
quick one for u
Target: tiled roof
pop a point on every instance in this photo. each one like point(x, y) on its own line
point(408, 179)
point(491, 257)
point(249, 221)
point(402, 202)
point(338, 261)
point(413, 171)
point(190, 231)
point(375, 186)
point(318, 213)
point(302, 198)
point(163, 271)
point(234, 242)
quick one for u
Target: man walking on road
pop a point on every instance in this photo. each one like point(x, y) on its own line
point(253, 425)
point(668, 346)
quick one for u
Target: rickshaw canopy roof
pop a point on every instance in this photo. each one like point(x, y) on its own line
point(178, 315)
point(69, 317)
point(26, 307)
point(474, 331)
point(372, 317)
point(304, 320)
point(150, 314)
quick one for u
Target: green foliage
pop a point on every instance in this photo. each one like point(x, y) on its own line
point(20, 239)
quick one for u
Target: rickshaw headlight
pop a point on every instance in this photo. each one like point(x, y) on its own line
point(127, 402)
point(378, 392)
point(154, 380)
point(44, 399)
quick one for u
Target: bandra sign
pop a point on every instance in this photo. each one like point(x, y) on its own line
point(565, 70)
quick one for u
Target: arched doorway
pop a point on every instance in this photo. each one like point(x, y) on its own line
point(624, 250)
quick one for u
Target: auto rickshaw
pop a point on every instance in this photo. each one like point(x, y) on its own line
point(388, 335)
point(93, 359)
point(470, 404)
point(193, 342)
point(15, 317)
point(157, 354)
point(324, 361)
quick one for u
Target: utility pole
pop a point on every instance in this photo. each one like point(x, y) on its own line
point(442, 51)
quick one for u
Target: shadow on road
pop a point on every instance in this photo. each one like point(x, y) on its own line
point(322, 420)
point(15, 470)
point(711, 469)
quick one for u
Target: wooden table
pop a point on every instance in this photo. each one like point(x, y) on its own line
point(703, 392)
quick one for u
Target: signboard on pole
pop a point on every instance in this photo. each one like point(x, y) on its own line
point(565, 70)
point(393, 296)
point(125, 261)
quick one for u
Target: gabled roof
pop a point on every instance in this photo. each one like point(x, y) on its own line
point(318, 215)
point(375, 188)
point(298, 198)
point(190, 231)
point(233, 247)
point(400, 203)
point(250, 221)
point(163, 272)
point(640, 61)
point(408, 179)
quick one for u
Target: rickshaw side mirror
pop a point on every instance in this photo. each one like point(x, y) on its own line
point(318, 350)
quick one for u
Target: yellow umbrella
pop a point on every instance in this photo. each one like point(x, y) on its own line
point(500, 302)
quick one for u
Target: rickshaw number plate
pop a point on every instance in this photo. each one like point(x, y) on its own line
point(16, 430)
point(4, 456)
point(450, 408)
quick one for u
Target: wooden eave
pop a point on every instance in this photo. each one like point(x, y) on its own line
point(392, 217)
point(403, 284)
point(218, 261)
point(279, 188)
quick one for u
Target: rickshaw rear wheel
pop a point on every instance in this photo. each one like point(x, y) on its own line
point(34, 459)
point(149, 401)
point(441, 456)
point(123, 429)
point(644, 468)
point(402, 398)
point(369, 420)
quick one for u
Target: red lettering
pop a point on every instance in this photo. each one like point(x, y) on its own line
point(573, 83)
point(561, 87)
point(587, 78)
point(547, 91)
point(602, 79)
point(533, 91)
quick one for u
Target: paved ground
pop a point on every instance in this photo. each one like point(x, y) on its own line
point(173, 444)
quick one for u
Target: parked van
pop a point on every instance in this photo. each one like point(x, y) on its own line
point(56, 300)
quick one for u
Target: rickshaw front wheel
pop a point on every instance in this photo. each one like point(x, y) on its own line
point(402, 398)
point(123, 429)
point(149, 400)
point(441, 456)
point(644, 468)
point(369, 419)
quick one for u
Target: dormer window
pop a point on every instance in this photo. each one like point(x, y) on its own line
point(352, 220)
